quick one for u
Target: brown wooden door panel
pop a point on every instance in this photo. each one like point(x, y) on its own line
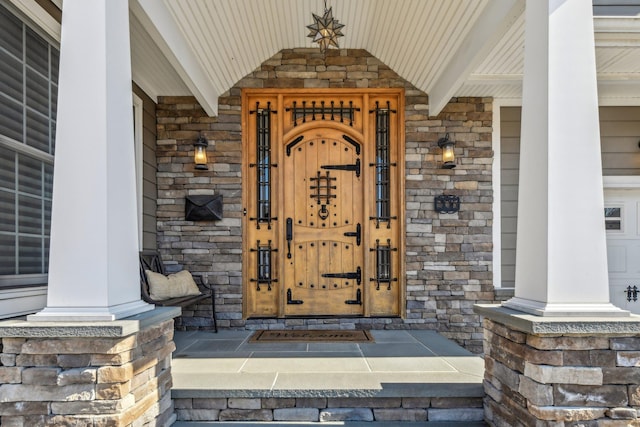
point(322, 221)
point(318, 197)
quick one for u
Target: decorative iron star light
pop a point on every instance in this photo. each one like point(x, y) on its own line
point(325, 30)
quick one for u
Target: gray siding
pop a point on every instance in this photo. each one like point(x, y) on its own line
point(616, 7)
point(509, 158)
point(149, 188)
point(619, 136)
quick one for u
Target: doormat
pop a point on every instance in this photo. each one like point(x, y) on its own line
point(358, 335)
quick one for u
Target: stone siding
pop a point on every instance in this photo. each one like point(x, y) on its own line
point(448, 256)
point(557, 380)
point(87, 382)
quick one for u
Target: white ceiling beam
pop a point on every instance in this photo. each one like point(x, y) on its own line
point(492, 24)
point(158, 21)
point(613, 90)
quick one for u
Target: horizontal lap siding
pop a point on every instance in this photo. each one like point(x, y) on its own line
point(149, 169)
point(509, 158)
point(620, 133)
point(619, 136)
point(616, 7)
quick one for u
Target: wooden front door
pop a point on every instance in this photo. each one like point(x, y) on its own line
point(323, 213)
point(323, 201)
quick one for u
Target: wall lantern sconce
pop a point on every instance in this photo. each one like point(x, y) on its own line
point(200, 155)
point(448, 155)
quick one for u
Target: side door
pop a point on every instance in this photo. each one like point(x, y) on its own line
point(623, 246)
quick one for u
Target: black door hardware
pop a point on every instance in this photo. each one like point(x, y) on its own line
point(632, 293)
point(293, 301)
point(357, 301)
point(289, 236)
point(357, 234)
point(352, 168)
point(351, 275)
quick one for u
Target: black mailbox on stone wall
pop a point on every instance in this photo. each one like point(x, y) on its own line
point(203, 207)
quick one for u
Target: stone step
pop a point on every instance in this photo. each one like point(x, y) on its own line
point(415, 378)
point(329, 424)
point(442, 404)
point(327, 410)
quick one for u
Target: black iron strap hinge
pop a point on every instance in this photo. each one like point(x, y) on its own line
point(351, 275)
point(352, 168)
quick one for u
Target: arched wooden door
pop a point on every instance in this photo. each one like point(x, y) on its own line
point(323, 192)
point(323, 212)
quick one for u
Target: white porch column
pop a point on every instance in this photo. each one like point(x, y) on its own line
point(561, 258)
point(93, 267)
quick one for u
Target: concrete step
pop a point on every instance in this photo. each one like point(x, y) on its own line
point(330, 424)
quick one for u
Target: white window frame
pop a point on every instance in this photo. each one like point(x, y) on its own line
point(28, 292)
point(45, 26)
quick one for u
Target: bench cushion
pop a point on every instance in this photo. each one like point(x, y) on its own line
point(180, 284)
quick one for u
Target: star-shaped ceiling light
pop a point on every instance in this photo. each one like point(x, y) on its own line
point(325, 30)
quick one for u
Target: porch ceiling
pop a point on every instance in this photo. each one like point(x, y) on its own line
point(452, 48)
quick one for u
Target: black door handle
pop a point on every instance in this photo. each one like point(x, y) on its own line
point(289, 236)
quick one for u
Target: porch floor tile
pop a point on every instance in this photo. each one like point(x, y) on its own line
point(399, 363)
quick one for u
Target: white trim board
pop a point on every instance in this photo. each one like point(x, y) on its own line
point(626, 181)
point(40, 17)
point(21, 301)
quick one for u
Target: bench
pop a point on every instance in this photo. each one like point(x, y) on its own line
point(150, 260)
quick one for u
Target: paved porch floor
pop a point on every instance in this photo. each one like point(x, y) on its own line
point(399, 363)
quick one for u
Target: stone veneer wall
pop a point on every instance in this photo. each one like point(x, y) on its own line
point(561, 379)
point(448, 258)
point(93, 381)
point(332, 409)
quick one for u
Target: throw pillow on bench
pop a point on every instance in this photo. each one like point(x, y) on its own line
point(180, 284)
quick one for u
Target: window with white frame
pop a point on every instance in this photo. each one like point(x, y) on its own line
point(613, 218)
point(28, 96)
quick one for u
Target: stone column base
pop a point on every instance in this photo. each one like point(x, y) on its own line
point(87, 374)
point(560, 371)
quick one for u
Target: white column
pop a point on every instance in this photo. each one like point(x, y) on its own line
point(561, 258)
point(93, 267)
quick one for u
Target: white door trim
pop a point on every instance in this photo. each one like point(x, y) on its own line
point(626, 181)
